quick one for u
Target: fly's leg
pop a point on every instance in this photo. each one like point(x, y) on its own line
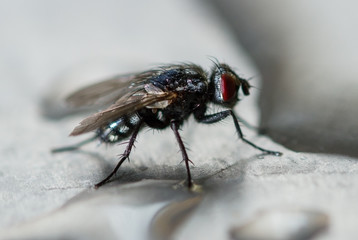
point(175, 126)
point(73, 147)
point(246, 123)
point(125, 155)
point(212, 118)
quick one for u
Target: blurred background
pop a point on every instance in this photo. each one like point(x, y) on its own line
point(302, 57)
point(306, 54)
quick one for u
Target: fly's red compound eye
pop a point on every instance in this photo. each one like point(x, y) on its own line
point(228, 86)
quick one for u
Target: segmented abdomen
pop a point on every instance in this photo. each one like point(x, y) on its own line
point(118, 130)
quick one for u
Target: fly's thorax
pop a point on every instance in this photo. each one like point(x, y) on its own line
point(189, 84)
point(186, 78)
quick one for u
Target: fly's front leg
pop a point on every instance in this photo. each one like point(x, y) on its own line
point(216, 117)
point(175, 127)
point(125, 155)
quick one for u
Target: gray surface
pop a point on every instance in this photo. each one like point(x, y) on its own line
point(48, 48)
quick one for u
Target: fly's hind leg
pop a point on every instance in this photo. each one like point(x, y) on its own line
point(75, 146)
point(125, 155)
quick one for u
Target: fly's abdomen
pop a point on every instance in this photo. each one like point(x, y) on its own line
point(118, 130)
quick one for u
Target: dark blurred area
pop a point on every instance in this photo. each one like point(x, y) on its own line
point(306, 54)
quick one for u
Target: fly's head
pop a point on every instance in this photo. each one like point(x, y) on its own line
point(225, 85)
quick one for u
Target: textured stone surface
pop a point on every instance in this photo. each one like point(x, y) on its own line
point(50, 48)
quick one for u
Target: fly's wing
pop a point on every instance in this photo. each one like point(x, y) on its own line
point(108, 91)
point(147, 96)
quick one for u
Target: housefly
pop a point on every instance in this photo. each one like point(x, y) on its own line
point(159, 98)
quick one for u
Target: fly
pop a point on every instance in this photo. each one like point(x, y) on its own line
point(158, 98)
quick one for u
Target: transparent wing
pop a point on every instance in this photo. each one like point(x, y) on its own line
point(108, 91)
point(148, 96)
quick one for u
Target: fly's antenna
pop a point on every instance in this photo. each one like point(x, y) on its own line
point(252, 86)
